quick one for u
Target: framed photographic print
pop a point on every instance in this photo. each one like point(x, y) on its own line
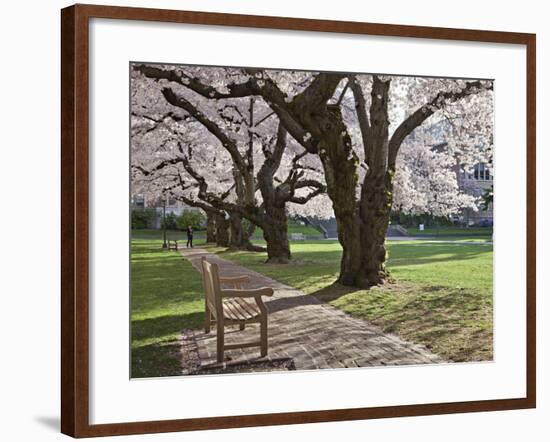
point(273, 220)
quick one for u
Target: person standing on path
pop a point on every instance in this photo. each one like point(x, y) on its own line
point(189, 236)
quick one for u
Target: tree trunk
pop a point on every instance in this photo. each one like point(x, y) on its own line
point(375, 209)
point(250, 229)
point(348, 225)
point(362, 228)
point(222, 231)
point(239, 238)
point(210, 228)
point(340, 166)
point(362, 233)
point(376, 191)
point(276, 235)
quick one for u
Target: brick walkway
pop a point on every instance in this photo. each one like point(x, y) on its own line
point(313, 334)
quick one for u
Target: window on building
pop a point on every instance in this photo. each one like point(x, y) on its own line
point(482, 173)
point(139, 201)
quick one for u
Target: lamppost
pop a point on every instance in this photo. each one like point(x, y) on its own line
point(164, 243)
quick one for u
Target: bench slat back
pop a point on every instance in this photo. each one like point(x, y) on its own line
point(211, 283)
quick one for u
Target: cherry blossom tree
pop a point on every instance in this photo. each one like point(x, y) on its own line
point(427, 177)
point(252, 141)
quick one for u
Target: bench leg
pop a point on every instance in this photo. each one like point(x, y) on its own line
point(219, 339)
point(263, 336)
point(241, 326)
point(207, 319)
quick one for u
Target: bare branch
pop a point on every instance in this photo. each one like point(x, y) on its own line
point(264, 118)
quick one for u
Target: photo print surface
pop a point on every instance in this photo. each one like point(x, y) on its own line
point(296, 220)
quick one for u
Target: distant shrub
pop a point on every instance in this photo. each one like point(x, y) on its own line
point(194, 218)
point(170, 222)
point(143, 218)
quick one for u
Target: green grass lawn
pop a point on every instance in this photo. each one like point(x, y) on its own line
point(459, 239)
point(166, 297)
point(441, 295)
point(451, 231)
point(153, 234)
point(293, 227)
point(200, 235)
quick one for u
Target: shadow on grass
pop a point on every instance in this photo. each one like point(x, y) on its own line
point(333, 291)
point(421, 254)
point(161, 259)
point(156, 360)
point(166, 297)
point(453, 322)
point(155, 328)
point(399, 255)
point(162, 357)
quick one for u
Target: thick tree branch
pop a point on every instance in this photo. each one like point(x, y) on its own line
point(225, 194)
point(306, 198)
point(235, 90)
point(246, 210)
point(318, 93)
point(250, 150)
point(172, 115)
point(161, 165)
point(191, 201)
point(362, 117)
point(310, 183)
point(257, 84)
point(273, 159)
point(212, 127)
point(341, 97)
point(377, 143)
point(270, 166)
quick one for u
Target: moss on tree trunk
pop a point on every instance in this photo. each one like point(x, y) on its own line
point(222, 231)
point(276, 235)
point(239, 236)
point(210, 228)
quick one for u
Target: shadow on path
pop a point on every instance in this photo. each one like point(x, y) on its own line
point(313, 333)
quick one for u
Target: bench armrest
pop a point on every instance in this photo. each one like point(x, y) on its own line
point(234, 279)
point(248, 293)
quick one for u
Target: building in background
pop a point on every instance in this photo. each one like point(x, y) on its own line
point(476, 183)
point(173, 206)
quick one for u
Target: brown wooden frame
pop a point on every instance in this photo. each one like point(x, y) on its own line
point(74, 220)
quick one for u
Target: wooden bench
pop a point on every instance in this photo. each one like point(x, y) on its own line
point(232, 306)
point(172, 244)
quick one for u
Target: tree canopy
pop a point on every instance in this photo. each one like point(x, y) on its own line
point(261, 144)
